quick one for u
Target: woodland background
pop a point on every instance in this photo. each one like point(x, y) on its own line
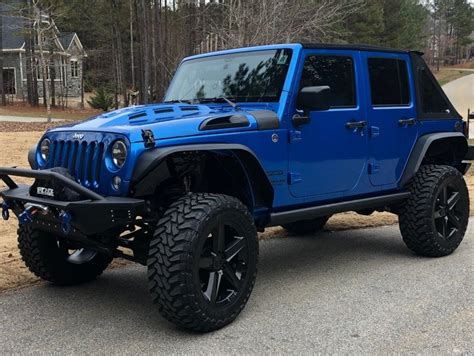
point(135, 45)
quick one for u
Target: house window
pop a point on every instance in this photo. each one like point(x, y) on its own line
point(39, 71)
point(389, 82)
point(74, 69)
point(337, 72)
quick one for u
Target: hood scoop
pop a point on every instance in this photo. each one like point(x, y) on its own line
point(224, 122)
point(138, 117)
point(157, 113)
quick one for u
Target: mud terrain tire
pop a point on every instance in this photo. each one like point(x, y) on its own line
point(434, 219)
point(202, 261)
point(44, 256)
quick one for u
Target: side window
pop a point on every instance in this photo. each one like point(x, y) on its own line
point(389, 82)
point(336, 72)
point(432, 101)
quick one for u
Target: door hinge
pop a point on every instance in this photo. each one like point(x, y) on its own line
point(374, 167)
point(294, 178)
point(294, 136)
point(374, 131)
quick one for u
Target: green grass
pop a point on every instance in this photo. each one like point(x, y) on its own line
point(445, 76)
point(27, 111)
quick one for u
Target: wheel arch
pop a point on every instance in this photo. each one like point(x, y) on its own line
point(152, 170)
point(437, 148)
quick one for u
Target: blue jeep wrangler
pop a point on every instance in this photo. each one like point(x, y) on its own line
point(244, 139)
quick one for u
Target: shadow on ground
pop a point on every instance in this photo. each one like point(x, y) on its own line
point(288, 259)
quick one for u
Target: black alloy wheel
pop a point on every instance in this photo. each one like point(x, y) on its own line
point(223, 263)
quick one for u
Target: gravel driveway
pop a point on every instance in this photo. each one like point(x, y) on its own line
point(356, 291)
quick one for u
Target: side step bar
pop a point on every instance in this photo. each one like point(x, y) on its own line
point(285, 217)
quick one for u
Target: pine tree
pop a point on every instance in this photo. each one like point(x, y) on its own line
point(367, 26)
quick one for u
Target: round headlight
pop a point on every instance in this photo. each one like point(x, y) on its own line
point(119, 153)
point(44, 149)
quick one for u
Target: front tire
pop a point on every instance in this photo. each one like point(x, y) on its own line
point(203, 261)
point(434, 219)
point(49, 258)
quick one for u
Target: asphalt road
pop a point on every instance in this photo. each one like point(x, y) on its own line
point(356, 291)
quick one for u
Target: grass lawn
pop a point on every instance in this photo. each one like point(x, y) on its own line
point(67, 114)
point(445, 76)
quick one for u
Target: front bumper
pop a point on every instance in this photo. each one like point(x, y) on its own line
point(92, 214)
point(470, 153)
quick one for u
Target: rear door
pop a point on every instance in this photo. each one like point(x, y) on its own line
point(391, 115)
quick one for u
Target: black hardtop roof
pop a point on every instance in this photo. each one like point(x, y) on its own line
point(356, 47)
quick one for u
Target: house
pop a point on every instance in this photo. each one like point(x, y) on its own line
point(66, 64)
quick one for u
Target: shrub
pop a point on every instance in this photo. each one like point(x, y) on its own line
point(102, 99)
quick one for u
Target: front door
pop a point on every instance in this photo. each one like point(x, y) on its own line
point(327, 156)
point(393, 127)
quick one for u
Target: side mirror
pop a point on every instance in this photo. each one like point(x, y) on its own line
point(314, 99)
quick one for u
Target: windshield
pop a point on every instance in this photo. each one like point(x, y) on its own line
point(244, 77)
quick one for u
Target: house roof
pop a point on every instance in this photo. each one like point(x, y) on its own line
point(12, 37)
point(11, 32)
point(66, 38)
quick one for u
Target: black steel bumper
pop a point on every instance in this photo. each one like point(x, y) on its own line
point(92, 214)
point(470, 153)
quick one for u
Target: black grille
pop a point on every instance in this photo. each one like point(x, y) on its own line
point(83, 159)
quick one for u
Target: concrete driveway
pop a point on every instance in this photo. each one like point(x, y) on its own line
point(461, 94)
point(355, 291)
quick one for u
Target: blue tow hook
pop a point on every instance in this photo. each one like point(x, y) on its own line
point(65, 222)
point(5, 211)
point(26, 216)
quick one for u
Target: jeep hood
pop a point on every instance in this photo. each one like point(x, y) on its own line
point(177, 120)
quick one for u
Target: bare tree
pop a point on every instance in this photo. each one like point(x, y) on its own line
point(43, 26)
point(248, 23)
point(143, 17)
point(132, 59)
point(3, 100)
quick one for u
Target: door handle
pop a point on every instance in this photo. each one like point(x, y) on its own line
point(356, 124)
point(407, 122)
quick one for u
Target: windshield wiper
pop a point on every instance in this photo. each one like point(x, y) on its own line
point(219, 99)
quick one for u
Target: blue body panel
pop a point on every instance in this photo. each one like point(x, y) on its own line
point(318, 162)
point(326, 159)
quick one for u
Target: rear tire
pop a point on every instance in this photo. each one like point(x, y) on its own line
point(434, 219)
point(47, 259)
point(306, 226)
point(203, 261)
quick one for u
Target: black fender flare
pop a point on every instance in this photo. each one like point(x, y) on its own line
point(421, 148)
point(32, 156)
point(149, 160)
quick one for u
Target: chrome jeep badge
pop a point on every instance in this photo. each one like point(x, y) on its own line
point(78, 136)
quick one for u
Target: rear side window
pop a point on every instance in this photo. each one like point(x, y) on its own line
point(389, 82)
point(336, 72)
point(431, 98)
